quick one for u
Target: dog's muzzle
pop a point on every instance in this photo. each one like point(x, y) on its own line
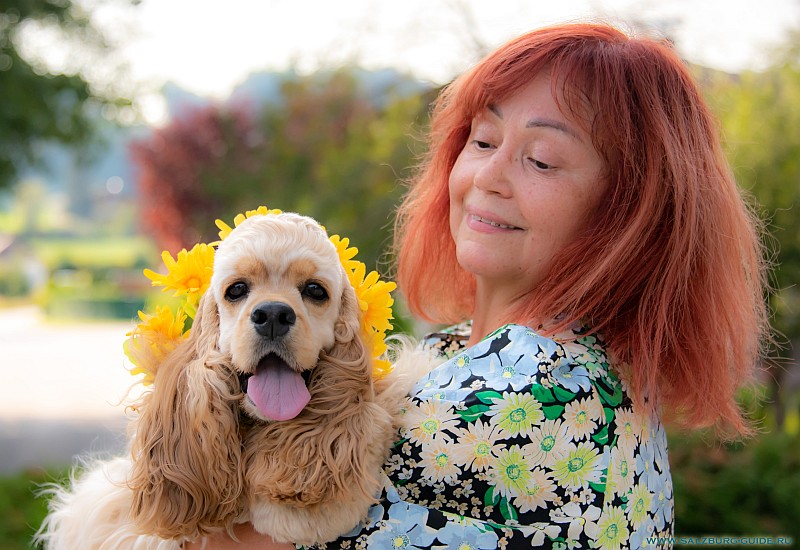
point(273, 320)
point(275, 388)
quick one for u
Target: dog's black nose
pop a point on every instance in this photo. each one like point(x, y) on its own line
point(273, 319)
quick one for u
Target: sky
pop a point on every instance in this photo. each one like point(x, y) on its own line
point(207, 47)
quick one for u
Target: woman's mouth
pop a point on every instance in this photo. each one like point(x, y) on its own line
point(479, 222)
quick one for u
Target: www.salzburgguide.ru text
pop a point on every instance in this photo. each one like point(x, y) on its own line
point(724, 540)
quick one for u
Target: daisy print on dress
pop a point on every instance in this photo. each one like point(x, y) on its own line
point(522, 441)
point(475, 446)
point(429, 419)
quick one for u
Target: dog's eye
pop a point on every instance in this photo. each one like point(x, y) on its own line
point(315, 291)
point(236, 291)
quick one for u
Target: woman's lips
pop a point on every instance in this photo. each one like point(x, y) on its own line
point(487, 223)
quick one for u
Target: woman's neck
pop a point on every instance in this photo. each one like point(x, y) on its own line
point(493, 309)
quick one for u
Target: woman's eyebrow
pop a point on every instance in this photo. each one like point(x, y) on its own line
point(539, 123)
point(552, 124)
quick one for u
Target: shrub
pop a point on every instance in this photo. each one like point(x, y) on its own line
point(748, 488)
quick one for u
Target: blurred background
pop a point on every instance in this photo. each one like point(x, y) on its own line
point(127, 127)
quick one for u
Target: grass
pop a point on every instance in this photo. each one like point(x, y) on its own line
point(123, 252)
point(21, 512)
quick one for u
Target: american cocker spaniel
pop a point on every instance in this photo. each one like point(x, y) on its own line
point(267, 413)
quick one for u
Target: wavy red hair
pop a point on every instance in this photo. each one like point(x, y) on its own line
point(670, 268)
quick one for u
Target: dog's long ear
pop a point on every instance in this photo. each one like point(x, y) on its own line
point(357, 444)
point(186, 477)
point(349, 344)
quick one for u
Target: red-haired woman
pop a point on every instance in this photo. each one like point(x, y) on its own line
point(576, 215)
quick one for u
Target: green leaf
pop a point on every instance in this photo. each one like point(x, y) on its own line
point(490, 498)
point(542, 394)
point(611, 399)
point(471, 414)
point(563, 395)
point(507, 511)
point(487, 527)
point(553, 411)
point(601, 437)
point(598, 487)
point(488, 397)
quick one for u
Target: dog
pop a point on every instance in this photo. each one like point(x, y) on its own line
point(267, 413)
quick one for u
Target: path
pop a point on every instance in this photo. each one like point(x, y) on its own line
point(62, 385)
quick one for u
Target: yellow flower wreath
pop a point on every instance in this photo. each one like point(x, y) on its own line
point(189, 275)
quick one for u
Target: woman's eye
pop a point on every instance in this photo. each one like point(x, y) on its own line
point(236, 291)
point(315, 291)
point(540, 165)
point(481, 144)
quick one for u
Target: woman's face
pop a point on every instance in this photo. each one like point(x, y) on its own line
point(525, 184)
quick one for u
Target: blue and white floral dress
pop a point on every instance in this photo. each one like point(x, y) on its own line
point(522, 441)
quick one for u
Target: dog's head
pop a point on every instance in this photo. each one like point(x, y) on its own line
point(278, 332)
point(280, 290)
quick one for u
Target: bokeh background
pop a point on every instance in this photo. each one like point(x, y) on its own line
point(127, 127)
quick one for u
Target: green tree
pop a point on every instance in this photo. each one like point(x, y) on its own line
point(40, 103)
point(760, 116)
point(328, 149)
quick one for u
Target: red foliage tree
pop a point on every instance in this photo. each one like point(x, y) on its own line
point(176, 208)
point(327, 147)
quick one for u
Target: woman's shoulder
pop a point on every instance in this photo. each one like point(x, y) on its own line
point(577, 344)
point(513, 356)
point(448, 341)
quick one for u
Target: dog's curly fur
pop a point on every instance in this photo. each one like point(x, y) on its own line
point(202, 457)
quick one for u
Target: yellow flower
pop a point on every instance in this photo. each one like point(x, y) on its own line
point(189, 274)
point(376, 347)
point(225, 229)
point(380, 368)
point(346, 254)
point(375, 302)
point(374, 298)
point(153, 339)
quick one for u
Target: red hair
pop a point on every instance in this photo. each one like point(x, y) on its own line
point(670, 268)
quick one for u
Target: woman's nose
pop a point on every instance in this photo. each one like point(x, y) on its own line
point(494, 174)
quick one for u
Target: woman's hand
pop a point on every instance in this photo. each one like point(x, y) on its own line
point(248, 537)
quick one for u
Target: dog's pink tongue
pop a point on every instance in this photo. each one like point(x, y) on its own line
point(278, 392)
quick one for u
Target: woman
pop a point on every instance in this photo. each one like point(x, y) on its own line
point(575, 205)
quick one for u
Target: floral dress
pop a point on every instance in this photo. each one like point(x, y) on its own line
point(522, 441)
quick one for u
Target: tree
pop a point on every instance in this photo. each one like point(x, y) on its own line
point(40, 104)
point(327, 148)
point(187, 170)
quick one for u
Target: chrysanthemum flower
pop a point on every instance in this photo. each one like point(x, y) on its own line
point(189, 274)
point(376, 347)
point(153, 338)
point(374, 298)
point(346, 254)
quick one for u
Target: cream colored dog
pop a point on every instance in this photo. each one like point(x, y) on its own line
point(267, 413)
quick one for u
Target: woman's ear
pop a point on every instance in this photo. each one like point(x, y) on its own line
point(186, 477)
